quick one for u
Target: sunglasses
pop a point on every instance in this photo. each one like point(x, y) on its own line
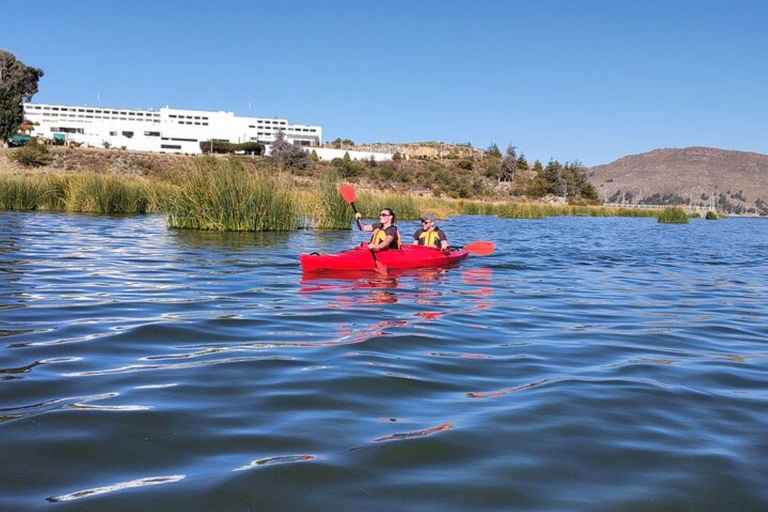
point(385, 215)
point(426, 221)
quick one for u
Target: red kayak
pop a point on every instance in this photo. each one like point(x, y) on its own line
point(360, 258)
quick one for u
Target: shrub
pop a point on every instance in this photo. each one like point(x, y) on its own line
point(673, 215)
point(465, 164)
point(712, 215)
point(32, 155)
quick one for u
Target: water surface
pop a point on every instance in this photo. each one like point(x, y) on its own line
point(588, 364)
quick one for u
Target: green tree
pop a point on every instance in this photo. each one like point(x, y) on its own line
point(509, 164)
point(552, 174)
point(537, 167)
point(339, 143)
point(493, 151)
point(397, 156)
point(18, 83)
point(522, 163)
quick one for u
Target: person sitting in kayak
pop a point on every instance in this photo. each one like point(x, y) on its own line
point(385, 234)
point(429, 234)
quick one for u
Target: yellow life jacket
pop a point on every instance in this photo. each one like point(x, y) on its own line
point(430, 238)
point(379, 235)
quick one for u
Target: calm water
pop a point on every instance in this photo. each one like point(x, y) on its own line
point(589, 364)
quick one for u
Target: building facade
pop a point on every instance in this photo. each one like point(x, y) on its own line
point(166, 130)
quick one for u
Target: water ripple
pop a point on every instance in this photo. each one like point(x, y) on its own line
point(587, 364)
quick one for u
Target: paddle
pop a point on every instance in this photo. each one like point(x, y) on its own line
point(348, 193)
point(480, 248)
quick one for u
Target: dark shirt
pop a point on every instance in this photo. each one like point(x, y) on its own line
point(390, 231)
point(440, 236)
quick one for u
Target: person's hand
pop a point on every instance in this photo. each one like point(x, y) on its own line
point(358, 215)
point(373, 247)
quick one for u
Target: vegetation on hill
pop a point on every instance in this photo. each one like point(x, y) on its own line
point(733, 182)
point(240, 193)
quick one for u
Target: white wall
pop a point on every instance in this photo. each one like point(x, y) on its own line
point(330, 154)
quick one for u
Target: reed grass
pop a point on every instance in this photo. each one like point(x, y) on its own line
point(332, 211)
point(712, 215)
point(673, 215)
point(235, 195)
point(89, 192)
point(404, 206)
point(226, 196)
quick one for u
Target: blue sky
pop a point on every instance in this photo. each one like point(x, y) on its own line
point(571, 80)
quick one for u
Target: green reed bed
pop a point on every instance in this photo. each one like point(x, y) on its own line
point(712, 215)
point(673, 215)
point(227, 196)
point(88, 192)
point(404, 205)
point(97, 193)
point(331, 211)
point(523, 211)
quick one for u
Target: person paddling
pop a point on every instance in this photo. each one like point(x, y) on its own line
point(429, 234)
point(385, 234)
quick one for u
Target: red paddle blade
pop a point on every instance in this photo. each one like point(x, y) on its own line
point(348, 193)
point(381, 268)
point(480, 248)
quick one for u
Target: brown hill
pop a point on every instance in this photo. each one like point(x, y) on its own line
point(736, 181)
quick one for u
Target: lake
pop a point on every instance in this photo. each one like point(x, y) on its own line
point(588, 364)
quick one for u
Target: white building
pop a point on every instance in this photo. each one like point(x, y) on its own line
point(167, 130)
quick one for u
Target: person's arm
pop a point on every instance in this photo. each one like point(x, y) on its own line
point(416, 237)
point(377, 247)
point(366, 227)
point(443, 240)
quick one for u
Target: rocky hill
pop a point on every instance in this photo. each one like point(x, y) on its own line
point(736, 181)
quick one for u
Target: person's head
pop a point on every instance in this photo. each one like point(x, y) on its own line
point(427, 221)
point(387, 216)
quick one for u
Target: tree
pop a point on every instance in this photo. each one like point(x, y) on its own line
point(509, 164)
point(286, 154)
point(522, 163)
point(339, 143)
point(493, 151)
point(18, 83)
point(552, 174)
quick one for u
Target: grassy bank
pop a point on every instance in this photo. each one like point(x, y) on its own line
point(234, 195)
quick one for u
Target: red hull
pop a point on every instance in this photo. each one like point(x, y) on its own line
point(359, 258)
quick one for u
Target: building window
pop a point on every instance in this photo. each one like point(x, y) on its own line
point(151, 134)
point(170, 146)
point(128, 134)
point(113, 134)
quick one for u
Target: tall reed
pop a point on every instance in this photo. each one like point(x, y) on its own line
point(404, 205)
point(673, 215)
point(105, 193)
point(226, 196)
point(332, 212)
point(92, 193)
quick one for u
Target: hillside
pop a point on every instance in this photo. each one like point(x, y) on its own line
point(737, 180)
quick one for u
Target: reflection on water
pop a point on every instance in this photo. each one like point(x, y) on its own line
point(606, 364)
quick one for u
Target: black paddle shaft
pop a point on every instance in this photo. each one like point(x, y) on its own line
point(354, 208)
